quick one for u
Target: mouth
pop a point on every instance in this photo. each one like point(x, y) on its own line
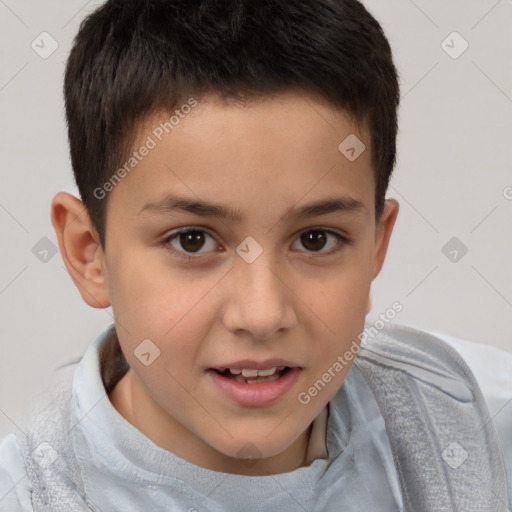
point(253, 376)
point(252, 384)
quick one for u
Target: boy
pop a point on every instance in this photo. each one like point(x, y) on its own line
point(232, 160)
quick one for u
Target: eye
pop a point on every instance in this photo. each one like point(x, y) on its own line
point(314, 240)
point(189, 241)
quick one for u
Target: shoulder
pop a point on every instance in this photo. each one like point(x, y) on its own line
point(434, 352)
point(492, 368)
point(450, 366)
point(15, 487)
point(44, 420)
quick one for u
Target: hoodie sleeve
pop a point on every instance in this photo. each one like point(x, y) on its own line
point(14, 481)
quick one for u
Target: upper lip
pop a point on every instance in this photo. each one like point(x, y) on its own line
point(256, 365)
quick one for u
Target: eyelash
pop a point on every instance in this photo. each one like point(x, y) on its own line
point(165, 243)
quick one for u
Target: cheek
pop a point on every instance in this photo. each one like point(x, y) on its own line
point(343, 298)
point(340, 306)
point(147, 293)
point(166, 306)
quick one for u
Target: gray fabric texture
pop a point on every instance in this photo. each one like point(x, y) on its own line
point(443, 440)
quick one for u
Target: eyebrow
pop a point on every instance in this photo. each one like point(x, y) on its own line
point(173, 203)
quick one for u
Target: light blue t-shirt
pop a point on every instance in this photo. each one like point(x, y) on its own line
point(123, 470)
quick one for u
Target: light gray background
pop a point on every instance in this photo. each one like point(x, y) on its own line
point(451, 180)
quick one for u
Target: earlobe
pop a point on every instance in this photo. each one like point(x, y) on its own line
point(383, 234)
point(80, 248)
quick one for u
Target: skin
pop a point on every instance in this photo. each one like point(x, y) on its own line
point(262, 158)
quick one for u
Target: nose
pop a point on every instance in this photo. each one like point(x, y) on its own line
point(259, 300)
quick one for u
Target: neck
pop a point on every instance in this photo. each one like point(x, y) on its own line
point(147, 417)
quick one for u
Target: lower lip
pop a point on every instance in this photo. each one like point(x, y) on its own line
point(259, 394)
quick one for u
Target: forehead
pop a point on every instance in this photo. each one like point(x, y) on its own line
point(269, 152)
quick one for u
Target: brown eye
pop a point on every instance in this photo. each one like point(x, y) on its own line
point(323, 241)
point(313, 240)
point(192, 241)
point(188, 242)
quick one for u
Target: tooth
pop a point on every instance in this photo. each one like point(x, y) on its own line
point(249, 372)
point(235, 371)
point(266, 373)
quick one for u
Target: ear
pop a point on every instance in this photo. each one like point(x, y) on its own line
point(80, 249)
point(383, 234)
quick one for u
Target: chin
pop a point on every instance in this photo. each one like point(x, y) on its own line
point(255, 445)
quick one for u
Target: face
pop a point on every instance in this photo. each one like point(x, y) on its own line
point(215, 254)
